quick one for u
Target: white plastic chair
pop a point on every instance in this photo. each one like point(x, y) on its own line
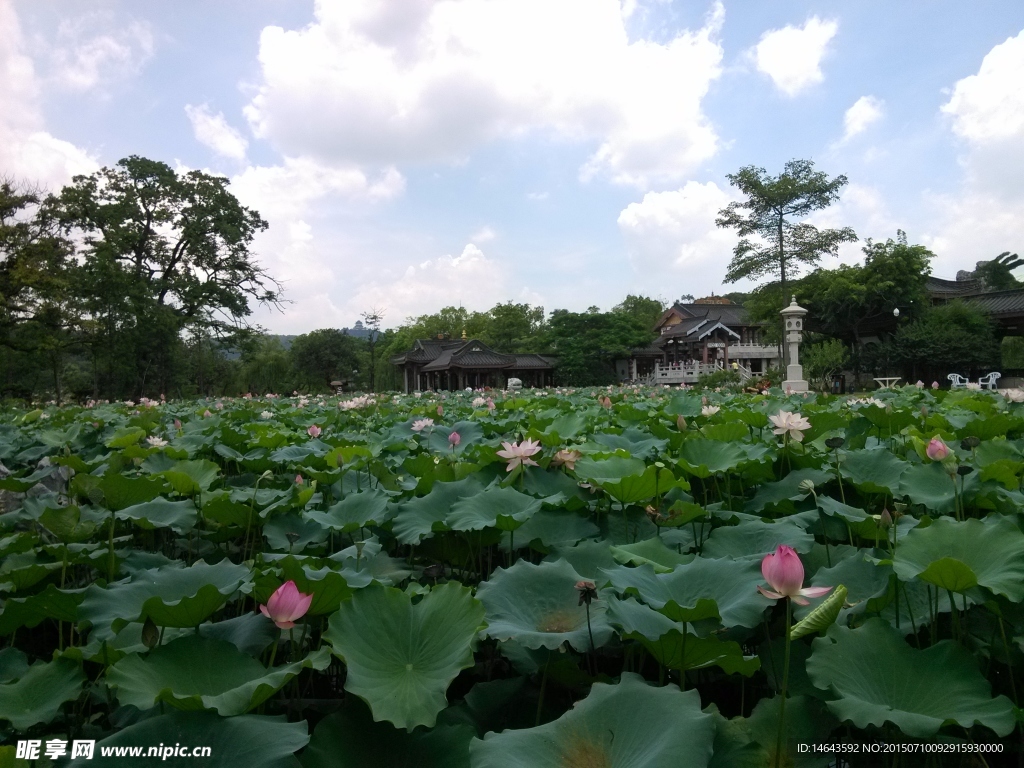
point(989, 381)
point(957, 381)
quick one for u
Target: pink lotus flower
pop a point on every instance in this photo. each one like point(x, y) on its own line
point(207, 414)
point(519, 453)
point(792, 423)
point(177, 423)
point(314, 431)
point(454, 439)
point(606, 402)
point(420, 424)
point(785, 574)
point(440, 410)
point(935, 385)
point(937, 450)
point(298, 480)
point(920, 384)
point(286, 605)
point(490, 404)
point(568, 458)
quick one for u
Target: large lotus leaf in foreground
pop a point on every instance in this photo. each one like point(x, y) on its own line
point(195, 672)
point(495, 507)
point(538, 606)
point(960, 555)
point(629, 725)
point(349, 738)
point(879, 678)
point(247, 741)
point(170, 596)
point(702, 589)
point(402, 657)
point(38, 695)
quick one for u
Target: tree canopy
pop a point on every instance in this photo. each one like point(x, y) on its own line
point(773, 203)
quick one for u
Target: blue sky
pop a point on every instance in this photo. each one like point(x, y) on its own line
point(410, 155)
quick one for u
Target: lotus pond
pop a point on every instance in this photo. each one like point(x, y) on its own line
point(570, 579)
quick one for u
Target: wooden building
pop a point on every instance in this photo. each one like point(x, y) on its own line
point(698, 338)
point(449, 364)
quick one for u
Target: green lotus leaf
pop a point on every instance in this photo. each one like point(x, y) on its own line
point(328, 587)
point(191, 477)
point(879, 678)
point(291, 533)
point(960, 555)
point(50, 603)
point(402, 657)
point(24, 570)
point(638, 443)
point(807, 722)
point(608, 470)
point(13, 664)
point(246, 741)
point(703, 458)
point(704, 588)
point(421, 517)
point(494, 507)
point(120, 492)
point(38, 694)
point(785, 491)
point(929, 485)
point(552, 527)
point(823, 615)
point(470, 434)
point(195, 672)
point(538, 606)
point(179, 516)
point(588, 558)
point(756, 537)
point(634, 618)
point(355, 511)
point(169, 595)
point(651, 552)
point(629, 725)
point(875, 470)
point(66, 524)
point(125, 436)
point(251, 633)
point(349, 738)
point(864, 580)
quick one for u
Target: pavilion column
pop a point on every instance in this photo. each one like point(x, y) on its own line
point(705, 353)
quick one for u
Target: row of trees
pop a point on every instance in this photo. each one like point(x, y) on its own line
point(875, 317)
point(126, 282)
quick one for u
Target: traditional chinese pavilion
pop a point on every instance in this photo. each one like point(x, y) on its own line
point(449, 364)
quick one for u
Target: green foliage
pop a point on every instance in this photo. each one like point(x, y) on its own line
point(823, 360)
point(553, 614)
point(723, 378)
point(643, 309)
point(322, 356)
point(767, 213)
point(950, 337)
point(587, 344)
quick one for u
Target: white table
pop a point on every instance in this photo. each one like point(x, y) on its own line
point(887, 382)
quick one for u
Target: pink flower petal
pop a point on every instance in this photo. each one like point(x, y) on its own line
point(815, 591)
point(769, 594)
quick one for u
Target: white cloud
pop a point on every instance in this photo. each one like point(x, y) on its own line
point(470, 279)
point(792, 56)
point(372, 84)
point(214, 132)
point(89, 53)
point(483, 235)
point(865, 111)
point(538, 196)
point(990, 105)
point(27, 151)
point(986, 215)
point(673, 242)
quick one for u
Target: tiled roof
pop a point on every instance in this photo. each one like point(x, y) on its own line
point(523, 361)
point(1000, 302)
point(940, 288)
point(441, 355)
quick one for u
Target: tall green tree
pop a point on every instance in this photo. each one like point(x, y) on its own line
point(769, 214)
point(512, 327)
point(587, 344)
point(162, 254)
point(642, 308)
point(328, 354)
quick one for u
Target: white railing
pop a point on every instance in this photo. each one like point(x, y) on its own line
point(688, 373)
point(746, 351)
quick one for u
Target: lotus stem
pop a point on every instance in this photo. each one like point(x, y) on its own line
point(783, 688)
point(590, 656)
point(543, 688)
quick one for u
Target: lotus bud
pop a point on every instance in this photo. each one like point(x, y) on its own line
point(286, 605)
point(314, 431)
point(681, 423)
point(885, 519)
point(454, 439)
point(937, 450)
point(150, 634)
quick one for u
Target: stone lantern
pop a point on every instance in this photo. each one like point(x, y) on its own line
point(793, 320)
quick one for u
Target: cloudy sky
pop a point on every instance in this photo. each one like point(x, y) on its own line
point(411, 154)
